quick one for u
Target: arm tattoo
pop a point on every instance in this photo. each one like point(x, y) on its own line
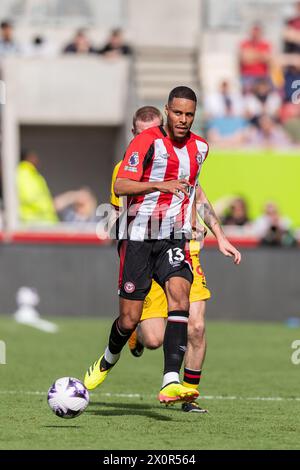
point(209, 216)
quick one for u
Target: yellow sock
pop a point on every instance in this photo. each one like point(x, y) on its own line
point(185, 384)
point(191, 378)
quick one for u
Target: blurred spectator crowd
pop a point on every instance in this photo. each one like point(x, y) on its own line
point(271, 228)
point(265, 111)
point(80, 44)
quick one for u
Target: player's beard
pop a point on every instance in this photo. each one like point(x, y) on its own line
point(176, 134)
point(179, 134)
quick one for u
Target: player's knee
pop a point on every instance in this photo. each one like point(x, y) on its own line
point(153, 342)
point(196, 331)
point(127, 323)
point(129, 316)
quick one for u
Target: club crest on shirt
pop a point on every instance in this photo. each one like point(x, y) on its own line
point(200, 157)
point(133, 159)
point(129, 287)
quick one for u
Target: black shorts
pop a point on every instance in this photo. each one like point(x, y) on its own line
point(142, 261)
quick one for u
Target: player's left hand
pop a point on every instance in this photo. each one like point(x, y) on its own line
point(229, 250)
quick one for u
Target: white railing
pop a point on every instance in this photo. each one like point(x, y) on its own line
point(67, 12)
point(234, 14)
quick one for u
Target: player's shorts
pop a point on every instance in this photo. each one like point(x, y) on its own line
point(155, 304)
point(142, 261)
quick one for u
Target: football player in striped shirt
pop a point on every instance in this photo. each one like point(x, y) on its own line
point(159, 173)
point(151, 329)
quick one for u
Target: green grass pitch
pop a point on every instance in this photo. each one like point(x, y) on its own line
point(248, 367)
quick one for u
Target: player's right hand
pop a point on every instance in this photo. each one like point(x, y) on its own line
point(229, 250)
point(175, 187)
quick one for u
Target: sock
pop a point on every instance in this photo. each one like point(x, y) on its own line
point(191, 378)
point(175, 342)
point(111, 358)
point(139, 334)
point(117, 340)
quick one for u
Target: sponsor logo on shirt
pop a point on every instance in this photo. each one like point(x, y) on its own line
point(163, 155)
point(130, 168)
point(134, 159)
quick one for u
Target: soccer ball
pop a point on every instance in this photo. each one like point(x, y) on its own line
point(68, 397)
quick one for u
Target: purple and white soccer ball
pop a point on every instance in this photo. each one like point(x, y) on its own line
point(68, 397)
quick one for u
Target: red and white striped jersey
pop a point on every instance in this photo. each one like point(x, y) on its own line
point(153, 156)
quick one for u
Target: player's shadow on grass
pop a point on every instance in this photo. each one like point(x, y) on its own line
point(122, 409)
point(57, 426)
